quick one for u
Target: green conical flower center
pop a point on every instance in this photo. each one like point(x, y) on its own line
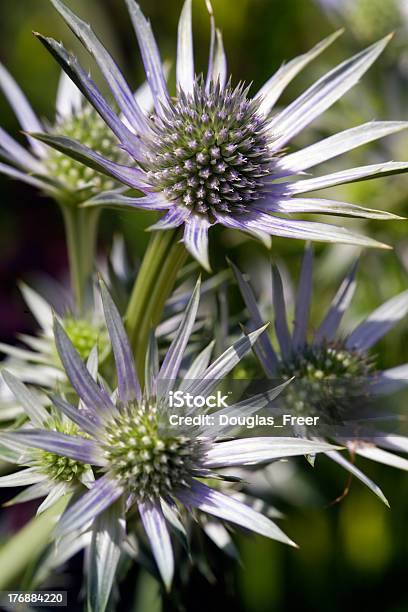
point(84, 336)
point(89, 129)
point(147, 461)
point(57, 467)
point(329, 379)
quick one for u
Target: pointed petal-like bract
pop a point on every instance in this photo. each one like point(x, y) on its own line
point(69, 98)
point(26, 178)
point(115, 79)
point(77, 416)
point(22, 108)
point(185, 51)
point(229, 509)
point(340, 143)
point(104, 554)
point(219, 71)
point(30, 402)
point(90, 91)
point(325, 92)
point(155, 526)
point(263, 347)
point(39, 307)
point(114, 199)
point(341, 302)
point(95, 399)
point(199, 365)
point(289, 206)
point(389, 381)
point(382, 456)
point(308, 230)
point(352, 175)
point(129, 175)
point(303, 299)
point(378, 323)
point(151, 366)
point(224, 364)
point(74, 447)
point(281, 323)
point(196, 239)
point(350, 467)
point(128, 384)
point(12, 151)
point(104, 493)
point(273, 88)
point(23, 478)
point(176, 216)
point(251, 451)
point(171, 364)
point(150, 54)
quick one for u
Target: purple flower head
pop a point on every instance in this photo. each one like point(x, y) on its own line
point(215, 155)
point(335, 374)
point(138, 460)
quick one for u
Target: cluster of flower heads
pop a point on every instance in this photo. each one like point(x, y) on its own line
point(211, 154)
point(118, 449)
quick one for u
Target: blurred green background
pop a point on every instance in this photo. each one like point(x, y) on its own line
point(353, 555)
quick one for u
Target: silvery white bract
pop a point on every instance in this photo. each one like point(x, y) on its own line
point(334, 373)
point(138, 461)
point(215, 155)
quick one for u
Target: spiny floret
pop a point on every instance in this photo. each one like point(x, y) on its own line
point(84, 336)
point(58, 467)
point(328, 380)
point(87, 127)
point(211, 152)
point(146, 459)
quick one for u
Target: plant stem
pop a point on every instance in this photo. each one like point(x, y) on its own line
point(81, 228)
point(28, 543)
point(162, 261)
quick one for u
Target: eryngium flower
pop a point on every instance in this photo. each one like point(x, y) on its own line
point(56, 174)
point(138, 459)
point(335, 373)
point(215, 155)
point(48, 474)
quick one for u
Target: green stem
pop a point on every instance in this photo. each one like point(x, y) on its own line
point(81, 226)
point(28, 543)
point(162, 261)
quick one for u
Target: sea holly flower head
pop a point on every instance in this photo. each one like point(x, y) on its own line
point(54, 173)
point(214, 154)
point(38, 362)
point(335, 373)
point(139, 459)
point(47, 473)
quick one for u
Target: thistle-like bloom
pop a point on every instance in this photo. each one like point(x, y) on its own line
point(56, 174)
point(48, 474)
point(335, 374)
point(213, 154)
point(139, 459)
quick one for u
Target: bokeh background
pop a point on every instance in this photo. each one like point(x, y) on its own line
point(353, 555)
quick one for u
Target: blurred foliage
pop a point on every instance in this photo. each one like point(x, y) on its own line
point(352, 554)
